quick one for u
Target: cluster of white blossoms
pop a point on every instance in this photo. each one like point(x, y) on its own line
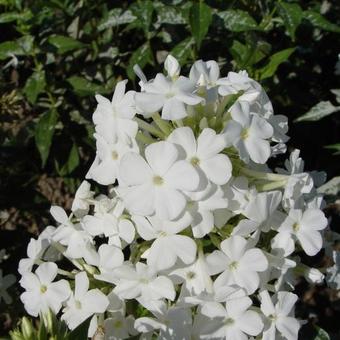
point(192, 235)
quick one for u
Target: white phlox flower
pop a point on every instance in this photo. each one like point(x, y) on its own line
point(156, 185)
point(279, 316)
point(170, 94)
point(82, 199)
point(232, 321)
point(143, 283)
point(304, 227)
point(248, 133)
point(83, 302)
point(41, 293)
point(239, 264)
point(104, 169)
point(167, 245)
point(205, 153)
point(113, 119)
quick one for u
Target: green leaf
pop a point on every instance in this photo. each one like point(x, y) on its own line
point(319, 21)
point(35, 85)
point(116, 17)
point(65, 44)
point(331, 187)
point(200, 16)
point(80, 333)
point(22, 46)
point(321, 335)
point(14, 16)
point(335, 147)
point(143, 10)
point(320, 110)
point(183, 50)
point(291, 15)
point(169, 14)
point(83, 87)
point(141, 57)
point(236, 20)
point(44, 132)
point(72, 161)
point(274, 61)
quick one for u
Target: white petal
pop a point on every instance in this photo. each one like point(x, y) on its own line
point(182, 175)
point(240, 112)
point(172, 66)
point(161, 156)
point(47, 272)
point(311, 241)
point(169, 203)
point(250, 323)
point(249, 280)
point(163, 287)
point(217, 262)
point(95, 301)
point(81, 285)
point(285, 302)
point(234, 247)
point(134, 170)
point(254, 260)
point(149, 102)
point(232, 132)
point(119, 91)
point(218, 169)
point(267, 306)
point(59, 214)
point(144, 228)
point(238, 307)
point(259, 149)
point(184, 137)
point(288, 327)
point(284, 243)
point(314, 219)
point(126, 230)
point(209, 143)
point(173, 109)
point(261, 128)
point(184, 247)
point(159, 255)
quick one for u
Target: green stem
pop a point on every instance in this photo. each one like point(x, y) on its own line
point(141, 137)
point(150, 128)
point(271, 186)
point(263, 175)
point(162, 124)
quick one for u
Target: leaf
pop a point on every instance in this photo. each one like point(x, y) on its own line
point(274, 61)
point(22, 46)
point(182, 50)
point(140, 57)
point(83, 87)
point(35, 85)
point(320, 110)
point(317, 20)
point(44, 132)
point(291, 15)
point(80, 333)
point(200, 16)
point(65, 44)
point(169, 15)
point(116, 17)
point(236, 20)
point(335, 147)
point(321, 334)
point(143, 10)
point(71, 163)
point(336, 92)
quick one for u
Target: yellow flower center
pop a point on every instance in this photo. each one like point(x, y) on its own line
point(158, 180)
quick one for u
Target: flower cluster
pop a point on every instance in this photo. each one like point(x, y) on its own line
point(192, 235)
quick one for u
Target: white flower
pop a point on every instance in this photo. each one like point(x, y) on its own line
point(170, 94)
point(206, 74)
point(104, 169)
point(157, 184)
point(82, 199)
point(113, 119)
point(108, 221)
point(205, 153)
point(303, 226)
point(172, 323)
point(234, 321)
point(239, 264)
point(278, 316)
point(172, 67)
point(248, 133)
point(118, 326)
point(70, 235)
point(41, 292)
point(83, 302)
point(167, 245)
point(5, 282)
point(142, 283)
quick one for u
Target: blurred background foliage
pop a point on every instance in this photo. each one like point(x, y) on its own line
point(55, 55)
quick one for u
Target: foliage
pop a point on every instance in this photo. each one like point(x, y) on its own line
point(57, 54)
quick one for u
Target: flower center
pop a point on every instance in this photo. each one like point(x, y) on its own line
point(158, 180)
point(77, 304)
point(296, 226)
point(43, 289)
point(191, 275)
point(228, 321)
point(245, 134)
point(195, 161)
point(233, 265)
point(162, 234)
point(114, 155)
point(118, 324)
point(143, 280)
